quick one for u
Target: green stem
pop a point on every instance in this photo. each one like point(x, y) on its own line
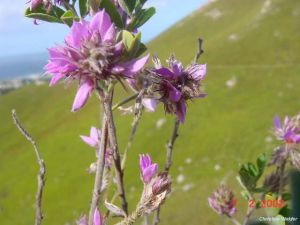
point(123, 102)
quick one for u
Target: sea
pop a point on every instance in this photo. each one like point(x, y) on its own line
point(21, 66)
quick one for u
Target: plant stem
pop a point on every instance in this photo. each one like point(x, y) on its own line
point(126, 100)
point(134, 126)
point(248, 215)
point(41, 173)
point(114, 146)
point(100, 169)
point(168, 163)
point(234, 221)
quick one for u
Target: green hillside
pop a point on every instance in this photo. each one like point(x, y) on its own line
point(252, 50)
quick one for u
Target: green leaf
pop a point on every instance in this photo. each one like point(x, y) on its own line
point(142, 17)
point(83, 8)
point(252, 170)
point(285, 211)
point(261, 163)
point(128, 5)
point(127, 39)
point(110, 8)
point(40, 13)
point(68, 18)
point(142, 49)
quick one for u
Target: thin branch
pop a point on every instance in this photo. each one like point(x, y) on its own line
point(168, 163)
point(170, 145)
point(130, 98)
point(134, 125)
point(100, 170)
point(250, 211)
point(200, 50)
point(41, 173)
point(115, 148)
point(234, 221)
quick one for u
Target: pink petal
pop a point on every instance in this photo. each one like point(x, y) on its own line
point(82, 95)
point(55, 79)
point(110, 34)
point(94, 133)
point(100, 23)
point(181, 111)
point(134, 66)
point(78, 31)
point(97, 218)
point(174, 94)
point(150, 104)
point(89, 141)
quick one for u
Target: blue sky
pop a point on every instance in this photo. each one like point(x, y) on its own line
point(18, 35)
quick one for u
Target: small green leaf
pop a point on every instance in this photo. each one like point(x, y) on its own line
point(142, 17)
point(261, 163)
point(68, 18)
point(40, 13)
point(128, 5)
point(110, 8)
point(142, 49)
point(252, 170)
point(83, 8)
point(127, 39)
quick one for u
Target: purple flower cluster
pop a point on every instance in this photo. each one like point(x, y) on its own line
point(289, 134)
point(91, 53)
point(147, 168)
point(222, 201)
point(174, 85)
point(286, 132)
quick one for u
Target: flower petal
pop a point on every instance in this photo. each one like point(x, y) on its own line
point(89, 141)
point(97, 217)
point(134, 66)
point(94, 133)
point(197, 71)
point(174, 94)
point(100, 23)
point(110, 34)
point(181, 111)
point(165, 72)
point(82, 95)
point(149, 103)
point(78, 31)
point(276, 122)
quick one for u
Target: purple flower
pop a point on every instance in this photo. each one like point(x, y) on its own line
point(161, 184)
point(93, 139)
point(91, 53)
point(147, 168)
point(286, 132)
point(222, 201)
point(174, 85)
point(35, 3)
point(97, 220)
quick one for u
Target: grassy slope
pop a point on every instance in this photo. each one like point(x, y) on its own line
point(227, 127)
